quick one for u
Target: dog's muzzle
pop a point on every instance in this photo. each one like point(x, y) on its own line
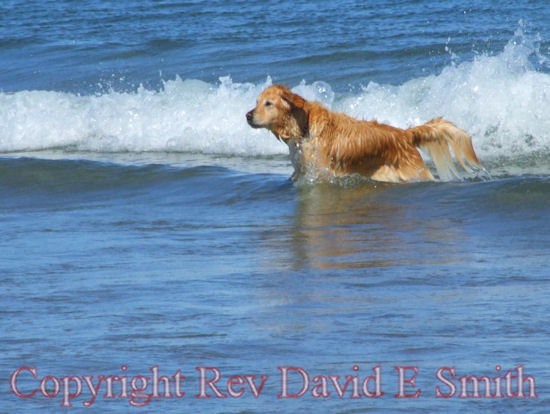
point(250, 119)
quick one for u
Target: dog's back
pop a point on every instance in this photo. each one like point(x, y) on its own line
point(347, 146)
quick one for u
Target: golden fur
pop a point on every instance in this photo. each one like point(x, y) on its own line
point(335, 142)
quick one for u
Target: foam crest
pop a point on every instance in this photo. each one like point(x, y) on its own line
point(501, 100)
point(184, 116)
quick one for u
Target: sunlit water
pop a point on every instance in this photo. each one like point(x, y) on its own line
point(145, 224)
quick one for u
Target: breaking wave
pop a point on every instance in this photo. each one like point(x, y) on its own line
point(502, 100)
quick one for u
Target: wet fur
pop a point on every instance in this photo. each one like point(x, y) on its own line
point(335, 142)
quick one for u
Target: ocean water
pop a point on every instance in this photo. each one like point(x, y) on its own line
point(148, 231)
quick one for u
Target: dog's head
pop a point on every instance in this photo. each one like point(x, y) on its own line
point(280, 111)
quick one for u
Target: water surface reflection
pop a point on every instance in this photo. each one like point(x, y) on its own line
point(367, 225)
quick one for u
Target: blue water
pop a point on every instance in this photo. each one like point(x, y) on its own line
point(145, 224)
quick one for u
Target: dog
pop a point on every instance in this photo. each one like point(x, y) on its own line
point(320, 140)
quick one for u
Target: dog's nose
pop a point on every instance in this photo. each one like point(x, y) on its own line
point(249, 115)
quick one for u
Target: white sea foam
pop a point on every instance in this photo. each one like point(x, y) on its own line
point(186, 115)
point(501, 100)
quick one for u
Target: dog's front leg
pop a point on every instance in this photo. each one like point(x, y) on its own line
point(296, 157)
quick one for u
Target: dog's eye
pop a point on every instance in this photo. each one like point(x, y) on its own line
point(268, 103)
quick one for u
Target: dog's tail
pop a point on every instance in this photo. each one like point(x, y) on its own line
point(435, 136)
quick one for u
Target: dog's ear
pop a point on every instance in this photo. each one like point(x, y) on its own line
point(292, 99)
point(297, 111)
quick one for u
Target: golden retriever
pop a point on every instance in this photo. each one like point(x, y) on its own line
point(320, 141)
